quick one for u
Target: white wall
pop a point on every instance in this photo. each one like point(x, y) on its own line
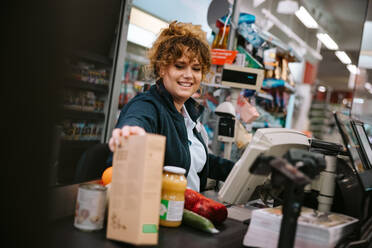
point(302, 107)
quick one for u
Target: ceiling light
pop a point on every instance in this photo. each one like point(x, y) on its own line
point(257, 2)
point(327, 41)
point(140, 36)
point(287, 7)
point(143, 28)
point(146, 21)
point(353, 69)
point(342, 56)
point(306, 18)
point(368, 85)
point(322, 89)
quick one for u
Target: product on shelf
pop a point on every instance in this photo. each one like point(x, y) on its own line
point(82, 101)
point(83, 130)
point(89, 72)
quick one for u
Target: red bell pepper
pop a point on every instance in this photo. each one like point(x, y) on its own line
point(204, 206)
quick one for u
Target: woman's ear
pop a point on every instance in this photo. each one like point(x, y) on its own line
point(161, 71)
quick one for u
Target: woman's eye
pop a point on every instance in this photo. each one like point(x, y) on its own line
point(178, 66)
point(196, 68)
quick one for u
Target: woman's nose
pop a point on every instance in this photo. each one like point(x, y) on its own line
point(188, 72)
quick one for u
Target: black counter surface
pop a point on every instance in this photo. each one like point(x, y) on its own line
point(65, 235)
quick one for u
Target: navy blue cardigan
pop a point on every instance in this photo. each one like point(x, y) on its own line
point(155, 112)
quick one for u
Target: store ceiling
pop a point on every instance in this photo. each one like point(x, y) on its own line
point(344, 19)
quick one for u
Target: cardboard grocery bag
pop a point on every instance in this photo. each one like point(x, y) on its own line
point(134, 201)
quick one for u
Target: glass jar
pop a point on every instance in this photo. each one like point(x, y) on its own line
point(172, 196)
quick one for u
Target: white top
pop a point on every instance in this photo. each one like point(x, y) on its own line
point(174, 169)
point(197, 153)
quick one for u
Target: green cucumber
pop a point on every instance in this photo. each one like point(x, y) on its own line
point(197, 221)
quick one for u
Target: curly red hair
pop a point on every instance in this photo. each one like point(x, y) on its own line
point(177, 40)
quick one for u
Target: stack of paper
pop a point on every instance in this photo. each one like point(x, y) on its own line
point(314, 229)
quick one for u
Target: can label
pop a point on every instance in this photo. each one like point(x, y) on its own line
point(90, 207)
point(171, 210)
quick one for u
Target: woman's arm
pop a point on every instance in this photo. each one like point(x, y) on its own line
point(125, 131)
point(135, 119)
point(219, 168)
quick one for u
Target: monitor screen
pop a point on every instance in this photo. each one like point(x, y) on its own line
point(240, 184)
point(242, 77)
point(239, 76)
point(350, 140)
point(354, 144)
point(362, 137)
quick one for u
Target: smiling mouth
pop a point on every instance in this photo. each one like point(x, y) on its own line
point(184, 84)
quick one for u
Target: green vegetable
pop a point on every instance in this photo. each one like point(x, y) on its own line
point(197, 221)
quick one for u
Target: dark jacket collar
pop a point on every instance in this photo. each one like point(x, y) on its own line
point(193, 108)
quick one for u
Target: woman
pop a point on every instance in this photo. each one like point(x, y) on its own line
point(179, 60)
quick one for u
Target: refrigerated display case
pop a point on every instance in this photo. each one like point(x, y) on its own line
point(95, 32)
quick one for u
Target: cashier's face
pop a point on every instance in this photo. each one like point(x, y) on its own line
point(182, 79)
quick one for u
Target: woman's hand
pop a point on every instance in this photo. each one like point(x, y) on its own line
point(125, 131)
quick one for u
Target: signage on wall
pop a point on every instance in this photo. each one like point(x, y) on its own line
point(221, 56)
point(310, 73)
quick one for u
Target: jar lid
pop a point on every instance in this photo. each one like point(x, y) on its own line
point(174, 169)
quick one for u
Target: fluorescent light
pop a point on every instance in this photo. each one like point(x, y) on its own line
point(143, 28)
point(306, 18)
point(353, 69)
point(342, 56)
point(359, 100)
point(322, 89)
point(146, 21)
point(327, 41)
point(257, 2)
point(287, 7)
point(140, 36)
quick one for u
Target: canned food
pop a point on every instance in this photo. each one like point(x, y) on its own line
point(90, 207)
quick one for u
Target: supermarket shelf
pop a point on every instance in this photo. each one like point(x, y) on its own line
point(278, 115)
point(258, 124)
point(72, 144)
point(216, 85)
point(264, 96)
point(78, 84)
point(273, 83)
point(95, 58)
point(82, 115)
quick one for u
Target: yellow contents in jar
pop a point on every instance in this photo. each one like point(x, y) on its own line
point(172, 196)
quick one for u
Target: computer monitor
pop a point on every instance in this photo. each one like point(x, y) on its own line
point(240, 184)
point(359, 160)
point(242, 77)
point(362, 137)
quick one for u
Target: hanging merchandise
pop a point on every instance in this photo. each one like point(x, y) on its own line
point(250, 61)
point(246, 111)
point(220, 41)
point(270, 59)
point(249, 33)
point(223, 25)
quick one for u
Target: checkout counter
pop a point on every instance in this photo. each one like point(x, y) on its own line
point(237, 189)
point(64, 234)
